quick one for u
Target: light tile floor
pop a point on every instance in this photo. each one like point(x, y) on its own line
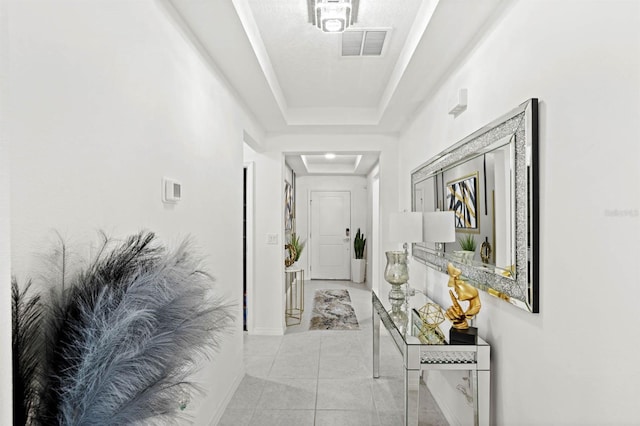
point(311, 377)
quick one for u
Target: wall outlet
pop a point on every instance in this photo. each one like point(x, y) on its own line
point(272, 238)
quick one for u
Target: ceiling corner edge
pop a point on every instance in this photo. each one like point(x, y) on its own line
point(243, 10)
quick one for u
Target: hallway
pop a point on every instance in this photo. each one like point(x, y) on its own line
point(322, 377)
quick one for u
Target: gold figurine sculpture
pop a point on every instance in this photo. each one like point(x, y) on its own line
point(464, 292)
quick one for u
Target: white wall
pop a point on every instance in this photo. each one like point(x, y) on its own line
point(5, 291)
point(5, 254)
point(574, 363)
point(268, 289)
point(373, 229)
point(355, 185)
point(104, 99)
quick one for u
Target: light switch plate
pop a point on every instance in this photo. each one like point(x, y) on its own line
point(272, 238)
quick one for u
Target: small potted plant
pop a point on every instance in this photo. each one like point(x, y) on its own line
point(358, 265)
point(297, 246)
point(468, 246)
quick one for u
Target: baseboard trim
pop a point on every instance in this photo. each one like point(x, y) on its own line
point(263, 331)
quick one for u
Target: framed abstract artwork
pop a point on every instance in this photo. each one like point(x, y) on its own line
point(288, 206)
point(462, 198)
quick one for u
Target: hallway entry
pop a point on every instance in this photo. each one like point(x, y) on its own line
point(330, 235)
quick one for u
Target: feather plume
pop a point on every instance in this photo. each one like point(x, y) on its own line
point(127, 333)
point(27, 349)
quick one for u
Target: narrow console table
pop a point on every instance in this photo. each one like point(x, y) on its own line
point(294, 294)
point(419, 357)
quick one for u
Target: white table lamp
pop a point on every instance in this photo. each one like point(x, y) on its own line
point(439, 227)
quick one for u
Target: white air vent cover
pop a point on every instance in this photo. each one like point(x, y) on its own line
point(363, 42)
point(373, 43)
point(352, 43)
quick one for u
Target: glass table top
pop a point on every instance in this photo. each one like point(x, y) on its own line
point(418, 321)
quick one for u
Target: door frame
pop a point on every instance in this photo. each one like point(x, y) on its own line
point(250, 240)
point(375, 232)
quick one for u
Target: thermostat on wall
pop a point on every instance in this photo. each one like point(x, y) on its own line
point(171, 190)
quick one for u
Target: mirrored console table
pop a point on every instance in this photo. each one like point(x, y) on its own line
point(419, 357)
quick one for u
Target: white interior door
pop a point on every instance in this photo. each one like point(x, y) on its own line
point(330, 235)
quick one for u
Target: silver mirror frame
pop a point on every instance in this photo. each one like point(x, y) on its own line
point(521, 124)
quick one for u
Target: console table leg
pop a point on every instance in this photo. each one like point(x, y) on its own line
point(483, 398)
point(411, 397)
point(376, 343)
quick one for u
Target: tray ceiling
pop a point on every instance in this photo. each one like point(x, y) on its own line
point(293, 78)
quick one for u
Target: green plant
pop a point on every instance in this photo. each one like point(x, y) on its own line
point(358, 245)
point(297, 245)
point(467, 243)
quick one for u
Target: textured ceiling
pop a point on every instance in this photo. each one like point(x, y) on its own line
point(308, 62)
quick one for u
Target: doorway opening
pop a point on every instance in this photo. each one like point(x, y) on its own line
point(244, 249)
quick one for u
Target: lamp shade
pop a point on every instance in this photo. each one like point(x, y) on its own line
point(406, 227)
point(439, 227)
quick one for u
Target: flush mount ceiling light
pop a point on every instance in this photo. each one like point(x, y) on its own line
point(330, 156)
point(332, 16)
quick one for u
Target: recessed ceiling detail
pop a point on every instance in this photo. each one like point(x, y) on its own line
point(293, 78)
point(343, 164)
point(340, 164)
point(363, 42)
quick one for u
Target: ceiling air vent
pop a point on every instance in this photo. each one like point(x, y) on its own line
point(363, 42)
point(352, 43)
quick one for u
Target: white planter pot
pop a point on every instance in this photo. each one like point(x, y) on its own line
point(293, 267)
point(358, 268)
point(464, 256)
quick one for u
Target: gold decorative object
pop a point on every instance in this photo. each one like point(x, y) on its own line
point(464, 292)
point(292, 255)
point(510, 271)
point(432, 316)
point(485, 251)
point(499, 295)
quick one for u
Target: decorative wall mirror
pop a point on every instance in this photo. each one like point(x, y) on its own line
point(490, 180)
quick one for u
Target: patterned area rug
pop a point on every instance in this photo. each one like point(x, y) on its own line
point(332, 310)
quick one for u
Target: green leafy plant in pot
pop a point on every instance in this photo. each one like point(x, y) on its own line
point(358, 265)
point(468, 246)
point(358, 245)
point(297, 247)
point(297, 244)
